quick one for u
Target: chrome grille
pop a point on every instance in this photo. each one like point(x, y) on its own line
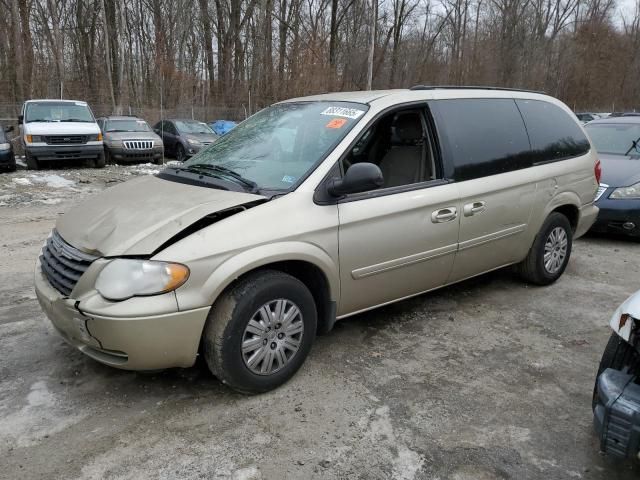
point(138, 144)
point(601, 189)
point(65, 139)
point(62, 264)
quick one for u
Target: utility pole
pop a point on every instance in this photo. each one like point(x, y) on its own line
point(372, 44)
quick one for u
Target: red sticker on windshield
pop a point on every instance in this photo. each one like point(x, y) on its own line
point(336, 123)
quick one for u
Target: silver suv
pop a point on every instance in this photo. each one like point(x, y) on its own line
point(130, 139)
point(313, 210)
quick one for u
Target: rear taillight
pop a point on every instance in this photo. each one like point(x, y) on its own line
point(597, 169)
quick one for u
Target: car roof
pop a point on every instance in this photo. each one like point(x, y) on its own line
point(616, 120)
point(181, 120)
point(121, 117)
point(371, 97)
point(56, 100)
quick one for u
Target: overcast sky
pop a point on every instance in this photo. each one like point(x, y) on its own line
point(625, 8)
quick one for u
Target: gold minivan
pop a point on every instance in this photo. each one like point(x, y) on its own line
point(310, 211)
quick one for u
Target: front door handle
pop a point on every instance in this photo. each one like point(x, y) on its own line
point(444, 215)
point(474, 208)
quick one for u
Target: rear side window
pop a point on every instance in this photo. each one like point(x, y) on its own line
point(482, 137)
point(553, 133)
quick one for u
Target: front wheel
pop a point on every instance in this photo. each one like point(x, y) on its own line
point(181, 156)
point(550, 252)
point(260, 331)
point(32, 163)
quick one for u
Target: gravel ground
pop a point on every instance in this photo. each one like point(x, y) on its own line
point(488, 379)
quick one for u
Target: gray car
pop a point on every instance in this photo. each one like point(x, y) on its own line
point(184, 138)
point(130, 139)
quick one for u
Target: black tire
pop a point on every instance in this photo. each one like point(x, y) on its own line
point(107, 157)
point(225, 329)
point(181, 156)
point(532, 268)
point(160, 160)
point(100, 162)
point(32, 163)
point(616, 354)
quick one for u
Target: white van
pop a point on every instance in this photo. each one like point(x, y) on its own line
point(60, 130)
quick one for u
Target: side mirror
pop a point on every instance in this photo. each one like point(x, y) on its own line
point(360, 177)
point(20, 118)
point(8, 129)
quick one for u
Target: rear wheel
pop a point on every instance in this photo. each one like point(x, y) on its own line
point(550, 252)
point(260, 331)
point(32, 162)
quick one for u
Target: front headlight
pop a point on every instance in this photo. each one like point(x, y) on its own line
point(125, 278)
point(194, 142)
point(97, 137)
point(33, 138)
point(5, 147)
point(626, 192)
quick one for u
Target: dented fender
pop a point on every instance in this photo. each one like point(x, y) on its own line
point(246, 261)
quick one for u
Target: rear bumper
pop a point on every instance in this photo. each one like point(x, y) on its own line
point(617, 216)
point(586, 217)
point(616, 415)
point(129, 342)
point(65, 152)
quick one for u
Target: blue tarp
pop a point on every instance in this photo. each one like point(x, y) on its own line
point(222, 126)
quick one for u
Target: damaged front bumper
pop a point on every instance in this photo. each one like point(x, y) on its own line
point(122, 338)
point(617, 413)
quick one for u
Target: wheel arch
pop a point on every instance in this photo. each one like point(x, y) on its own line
point(306, 262)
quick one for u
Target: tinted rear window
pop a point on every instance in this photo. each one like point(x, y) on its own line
point(553, 133)
point(482, 137)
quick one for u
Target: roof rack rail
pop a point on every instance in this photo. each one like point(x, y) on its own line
point(470, 87)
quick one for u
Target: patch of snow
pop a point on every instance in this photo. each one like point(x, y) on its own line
point(53, 181)
point(22, 181)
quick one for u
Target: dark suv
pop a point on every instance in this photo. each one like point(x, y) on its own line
point(184, 138)
point(129, 139)
point(7, 159)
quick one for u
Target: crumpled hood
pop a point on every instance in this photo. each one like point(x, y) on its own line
point(619, 171)
point(138, 216)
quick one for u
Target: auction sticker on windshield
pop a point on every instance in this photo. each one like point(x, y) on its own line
point(343, 112)
point(336, 123)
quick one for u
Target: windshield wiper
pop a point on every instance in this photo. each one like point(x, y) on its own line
point(634, 145)
point(75, 120)
point(225, 171)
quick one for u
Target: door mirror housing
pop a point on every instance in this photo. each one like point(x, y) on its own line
point(360, 177)
point(9, 128)
point(20, 119)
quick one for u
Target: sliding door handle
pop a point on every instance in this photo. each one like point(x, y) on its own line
point(444, 215)
point(474, 208)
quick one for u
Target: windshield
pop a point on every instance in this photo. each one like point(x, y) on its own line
point(58, 112)
point(133, 125)
point(615, 138)
point(185, 126)
point(279, 145)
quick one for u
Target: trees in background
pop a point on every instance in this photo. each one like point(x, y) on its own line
point(249, 53)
